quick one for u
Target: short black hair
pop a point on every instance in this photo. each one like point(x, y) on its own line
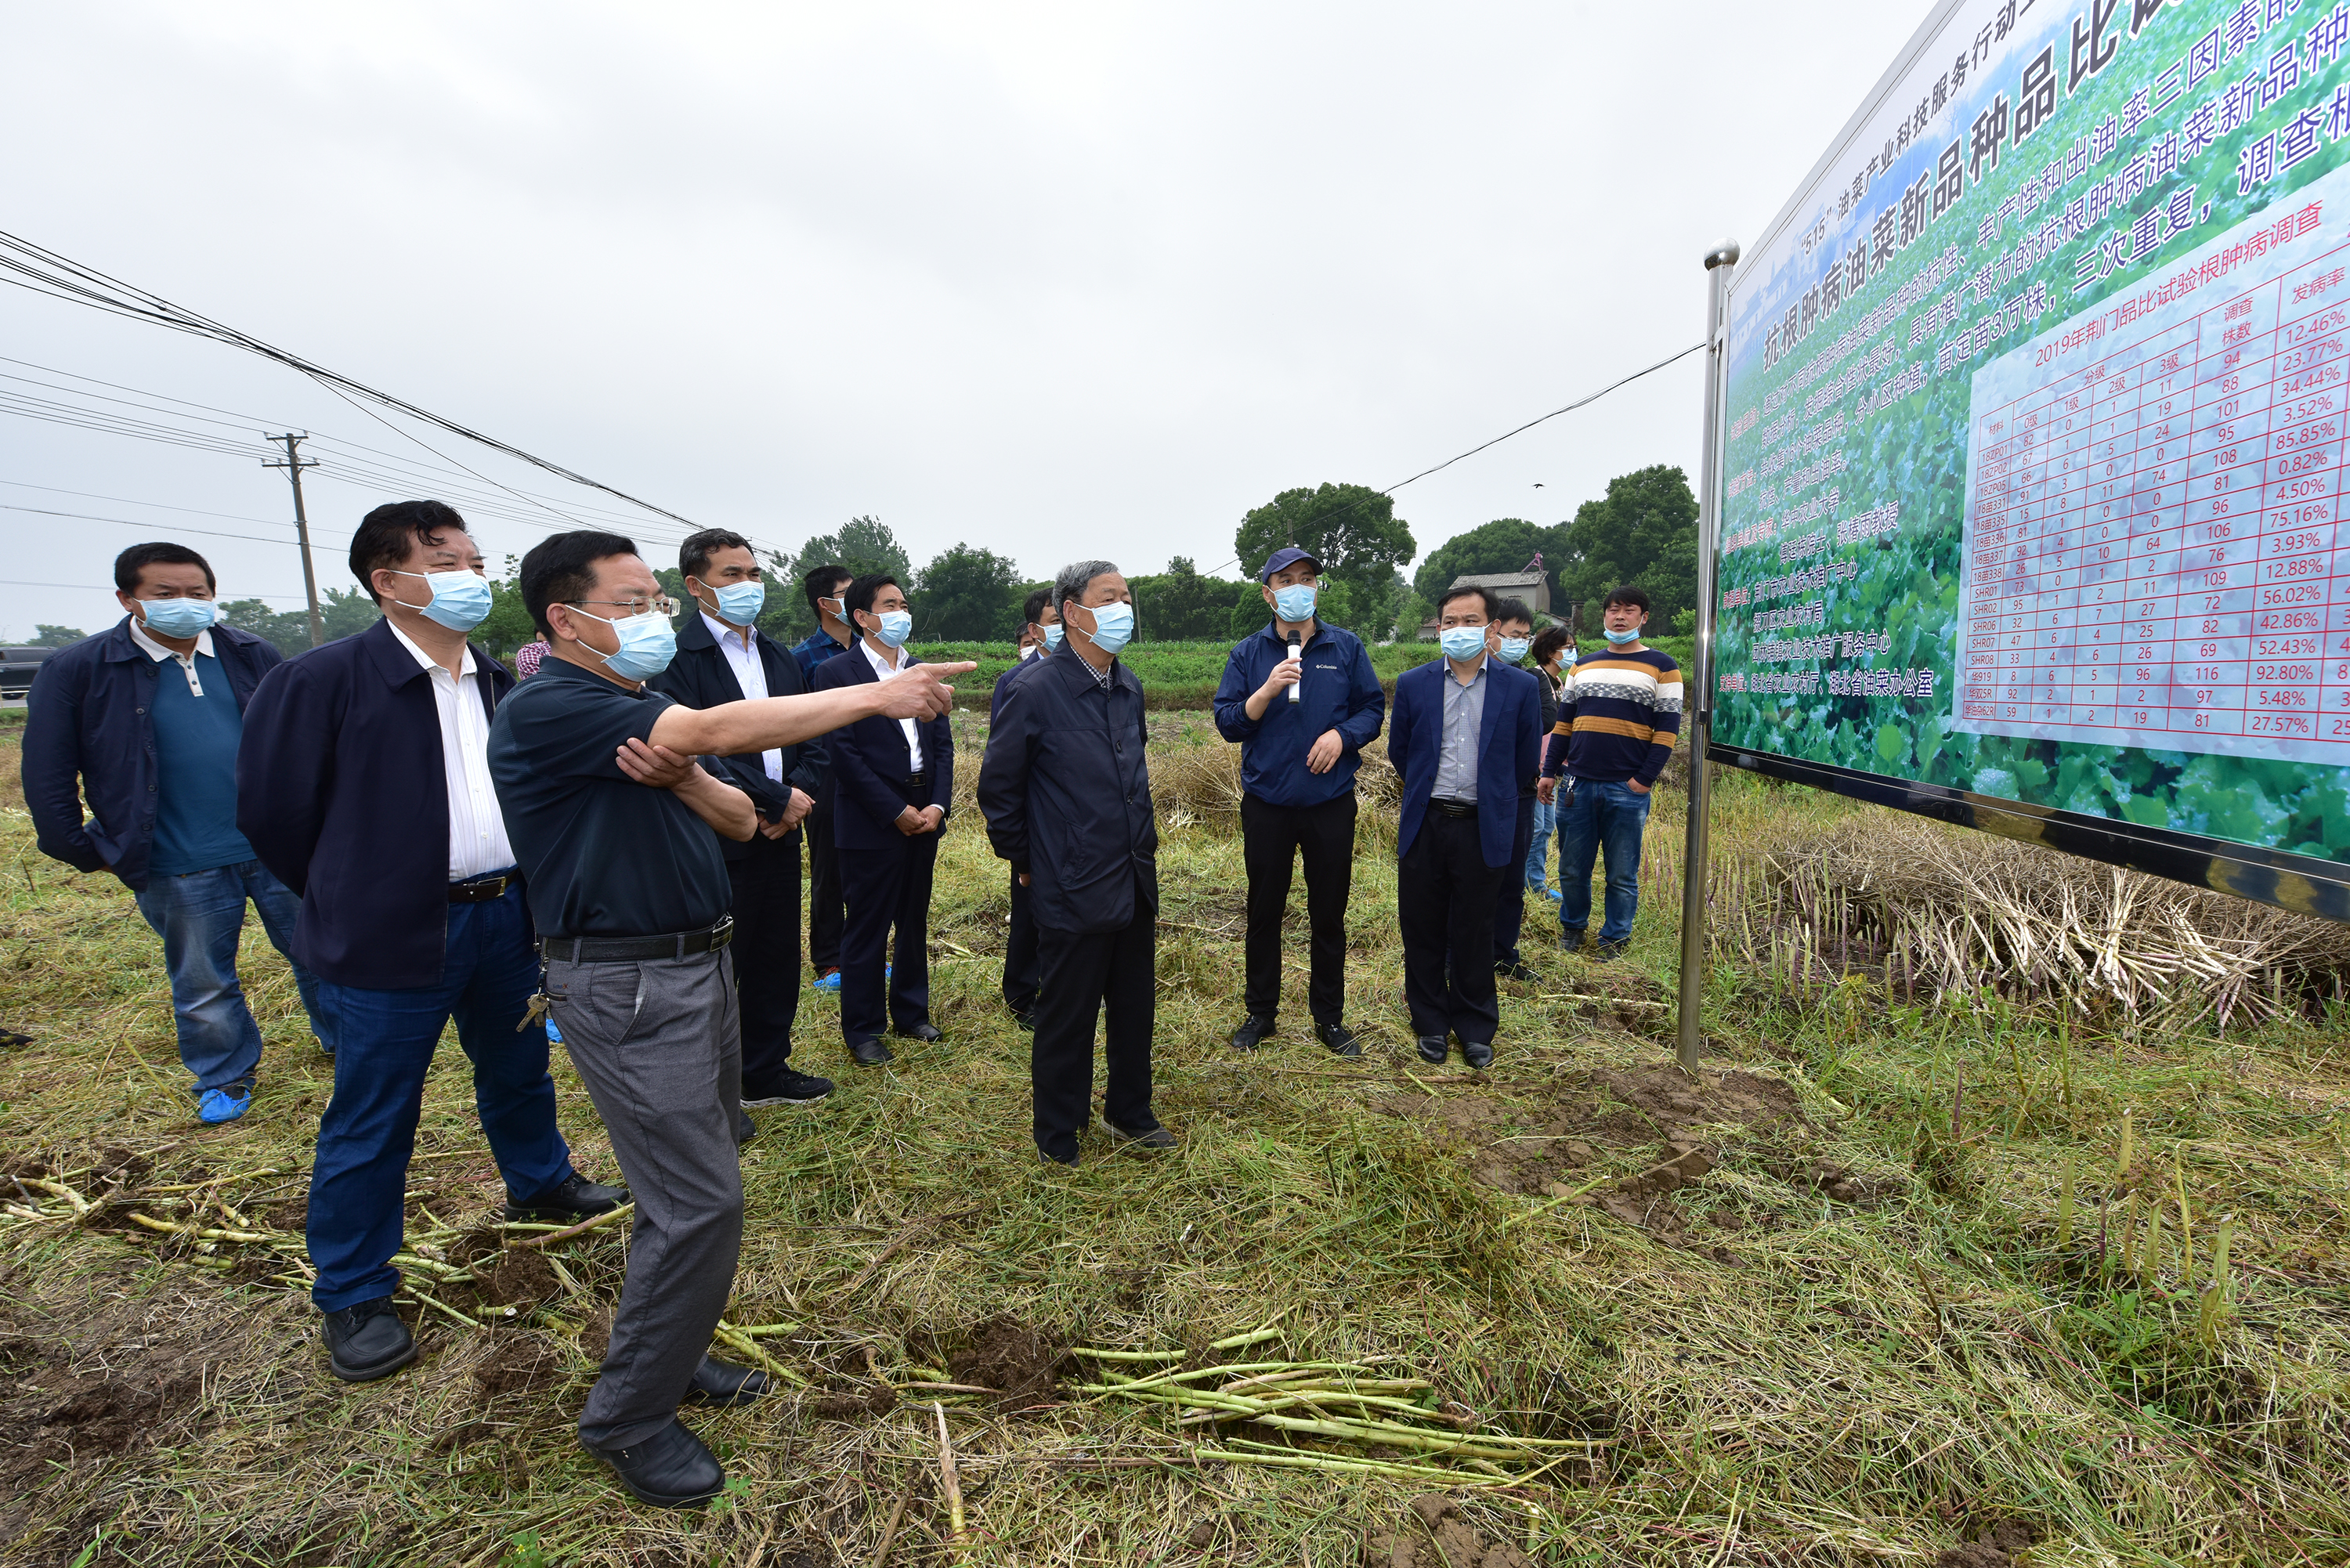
point(861, 590)
point(1483, 596)
point(1035, 605)
point(693, 555)
point(387, 534)
point(128, 565)
point(1513, 610)
point(1627, 594)
point(821, 582)
point(562, 567)
point(1547, 641)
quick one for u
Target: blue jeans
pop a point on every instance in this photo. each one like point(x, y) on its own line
point(200, 916)
point(1607, 817)
point(368, 1131)
point(1538, 858)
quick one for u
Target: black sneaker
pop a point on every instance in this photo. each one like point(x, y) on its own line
point(1570, 938)
point(671, 1469)
point(1607, 951)
point(1155, 1142)
point(576, 1198)
point(1520, 971)
point(787, 1087)
point(1253, 1031)
point(368, 1341)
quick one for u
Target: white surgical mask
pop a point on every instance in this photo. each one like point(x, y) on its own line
point(1462, 642)
point(460, 599)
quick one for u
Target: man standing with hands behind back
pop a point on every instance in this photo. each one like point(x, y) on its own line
point(1067, 794)
point(722, 657)
point(833, 636)
point(1303, 700)
point(892, 780)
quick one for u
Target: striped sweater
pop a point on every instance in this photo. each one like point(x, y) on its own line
point(1617, 716)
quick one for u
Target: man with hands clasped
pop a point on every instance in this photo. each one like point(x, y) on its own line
point(892, 782)
point(722, 657)
point(1040, 639)
point(1302, 700)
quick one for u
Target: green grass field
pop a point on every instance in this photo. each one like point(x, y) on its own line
point(1882, 1283)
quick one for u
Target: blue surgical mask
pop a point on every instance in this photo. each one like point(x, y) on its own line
point(1053, 637)
point(1624, 636)
point(647, 642)
point(739, 603)
point(1113, 627)
point(178, 617)
point(1514, 648)
point(1462, 642)
point(897, 626)
point(461, 600)
point(1294, 603)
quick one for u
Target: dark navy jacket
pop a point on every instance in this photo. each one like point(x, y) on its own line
point(90, 719)
point(1003, 683)
point(701, 677)
point(1067, 794)
point(870, 760)
point(1509, 753)
point(1339, 690)
point(341, 788)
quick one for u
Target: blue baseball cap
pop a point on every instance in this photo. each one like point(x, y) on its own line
point(1281, 559)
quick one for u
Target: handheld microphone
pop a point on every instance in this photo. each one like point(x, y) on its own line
point(1296, 653)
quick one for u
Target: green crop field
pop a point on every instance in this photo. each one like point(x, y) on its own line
point(1942, 1247)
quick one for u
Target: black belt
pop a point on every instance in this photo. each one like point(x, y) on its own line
point(622, 950)
point(915, 783)
point(1453, 807)
point(481, 890)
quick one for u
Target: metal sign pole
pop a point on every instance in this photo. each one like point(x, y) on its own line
point(1697, 713)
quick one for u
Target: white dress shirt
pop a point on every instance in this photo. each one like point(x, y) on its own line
point(742, 651)
point(477, 833)
point(186, 662)
point(883, 668)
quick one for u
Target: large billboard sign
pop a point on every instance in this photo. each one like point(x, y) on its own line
point(2035, 415)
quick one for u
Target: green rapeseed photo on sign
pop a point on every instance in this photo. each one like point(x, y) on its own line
point(2035, 419)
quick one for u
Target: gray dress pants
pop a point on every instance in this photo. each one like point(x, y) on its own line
point(658, 1044)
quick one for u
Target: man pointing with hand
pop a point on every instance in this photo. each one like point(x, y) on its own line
point(611, 823)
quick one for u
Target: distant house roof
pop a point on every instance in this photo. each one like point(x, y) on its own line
point(1534, 586)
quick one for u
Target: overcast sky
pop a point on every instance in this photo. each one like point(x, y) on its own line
point(1058, 280)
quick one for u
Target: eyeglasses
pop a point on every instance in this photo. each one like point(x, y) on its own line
point(660, 604)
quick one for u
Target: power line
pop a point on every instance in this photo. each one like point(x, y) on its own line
point(135, 523)
point(108, 587)
point(44, 271)
point(1529, 424)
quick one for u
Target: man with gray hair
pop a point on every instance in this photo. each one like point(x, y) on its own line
point(1066, 795)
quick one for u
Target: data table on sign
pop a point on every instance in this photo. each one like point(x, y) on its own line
point(2154, 551)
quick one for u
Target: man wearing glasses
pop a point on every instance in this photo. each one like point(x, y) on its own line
point(364, 783)
point(612, 823)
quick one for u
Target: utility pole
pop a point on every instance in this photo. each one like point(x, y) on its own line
point(294, 464)
point(1697, 711)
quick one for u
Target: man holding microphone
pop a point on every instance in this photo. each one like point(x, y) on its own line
point(1302, 701)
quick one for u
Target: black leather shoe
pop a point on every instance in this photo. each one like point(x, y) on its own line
point(745, 1129)
point(1253, 1031)
point(1339, 1038)
point(1570, 940)
point(1431, 1048)
point(787, 1087)
point(576, 1199)
point(1607, 951)
point(925, 1033)
point(669, 1469)
point(368, 1341)
point(717, 1382)
point(1520, 971)
point(1477, 1052)
point(872, 1052)
point(1049, 1158)
point(1157, 1140)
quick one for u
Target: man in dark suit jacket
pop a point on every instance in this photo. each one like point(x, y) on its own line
point(1067, 794)
point(364, 783)
point(1465, 736)
point(722, 657)
point(892, 779)
point(1040, 634)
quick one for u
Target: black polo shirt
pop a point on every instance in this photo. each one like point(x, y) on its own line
point(601, 855)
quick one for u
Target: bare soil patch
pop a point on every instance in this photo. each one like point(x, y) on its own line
point(1995, 1545)
point(518, 1279)
point(1435, 1536)
point(517, 1363)
point(1021, 1364)
point(1538, 1144)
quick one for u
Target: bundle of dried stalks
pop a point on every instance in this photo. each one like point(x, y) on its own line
point(1945, 911)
